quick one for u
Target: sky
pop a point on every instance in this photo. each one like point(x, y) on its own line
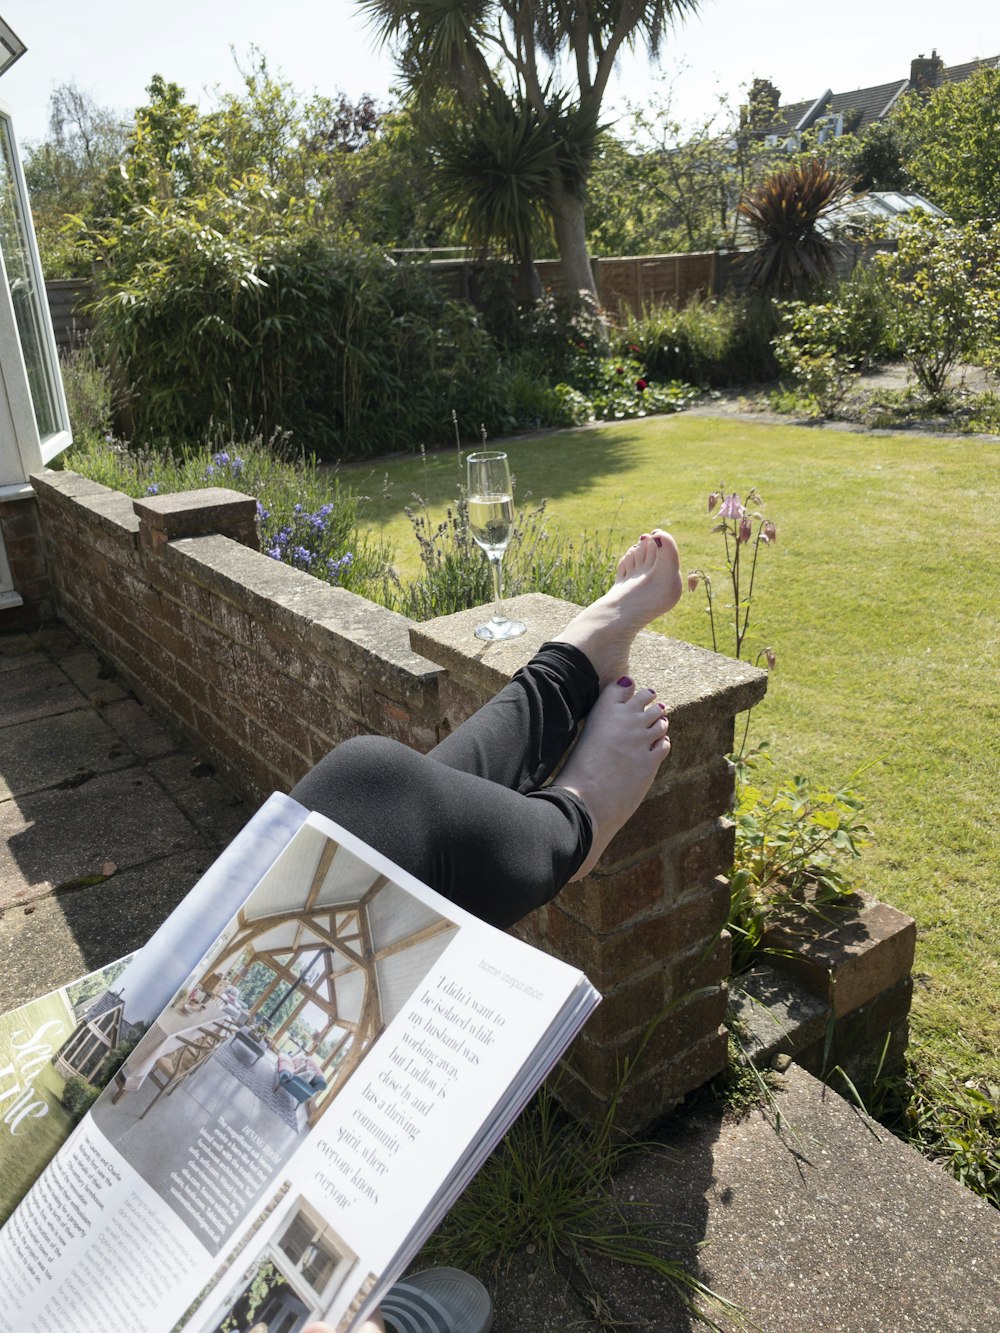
point(111, 48)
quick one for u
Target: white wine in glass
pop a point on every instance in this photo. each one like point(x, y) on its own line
point(491, 519)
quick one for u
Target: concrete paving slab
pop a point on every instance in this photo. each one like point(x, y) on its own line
point(16, 661)
point(215, 810)
point(37, 690)
point(58, 752)
point(831, 1225)
point(138, 728)
point(55, 837)
point(56, 939)
point(89, 674)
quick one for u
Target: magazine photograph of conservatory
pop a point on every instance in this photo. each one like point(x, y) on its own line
point(254, 1048)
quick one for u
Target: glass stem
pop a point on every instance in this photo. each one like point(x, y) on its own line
point(495, 563)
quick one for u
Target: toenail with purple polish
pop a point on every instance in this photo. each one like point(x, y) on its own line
point(658, 540)
point(625, 680)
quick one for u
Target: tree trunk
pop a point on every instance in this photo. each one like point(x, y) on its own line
point(571, 239)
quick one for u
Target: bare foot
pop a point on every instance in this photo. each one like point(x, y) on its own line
point(613, 764)
point(647, 585)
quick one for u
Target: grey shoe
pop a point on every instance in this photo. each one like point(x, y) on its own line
point(439, 1300)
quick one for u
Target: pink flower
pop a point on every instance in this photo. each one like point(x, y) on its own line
point(770, 658)
point(746, 529)
point(768, 531)
point(713, 500)
point(694, 578)
point(731, 507)
point(641, 384)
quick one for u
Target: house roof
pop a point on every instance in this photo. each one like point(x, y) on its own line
point(862, 107)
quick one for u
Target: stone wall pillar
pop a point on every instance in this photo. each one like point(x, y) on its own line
point(648, 925)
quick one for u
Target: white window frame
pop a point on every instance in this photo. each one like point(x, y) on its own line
point(22, 451)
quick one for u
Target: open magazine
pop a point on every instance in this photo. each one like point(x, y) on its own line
point(321, 1053)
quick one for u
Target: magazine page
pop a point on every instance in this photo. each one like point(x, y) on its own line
point(54, 1054)
point(59, 1051)
point(290, 1127)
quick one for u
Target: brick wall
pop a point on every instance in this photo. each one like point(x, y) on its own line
point(25, 547)
point(263, 667)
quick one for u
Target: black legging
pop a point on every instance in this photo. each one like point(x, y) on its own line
point(471, 817)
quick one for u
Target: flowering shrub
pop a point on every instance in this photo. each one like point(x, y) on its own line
point(944, 280)
point(811, 350)
point(619, 388)
point(305, 518)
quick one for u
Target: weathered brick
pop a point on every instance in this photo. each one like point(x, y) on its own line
point(667, 1048)
point(232, 621)
point(708, 853)
point(706, 965)
point(645, 1101)
point(700, 917)
point(866, 950)
point(628, 1008)
point(389, 717)
point(603, 902)
point(458, 701)
point(685, 805)
point(698, 735)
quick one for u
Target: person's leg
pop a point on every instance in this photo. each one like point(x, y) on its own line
point(518, 737)
point(496, 852)
point(462, 818)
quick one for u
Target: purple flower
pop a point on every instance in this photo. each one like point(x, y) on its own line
point(152, 489)
point(731, 507)
point(713, 500)
point(771, 658)
point(746, 528)
point(694, 578)
point(768, 531)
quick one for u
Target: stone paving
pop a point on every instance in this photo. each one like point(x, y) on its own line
point(107, 818)
point(819, 1223)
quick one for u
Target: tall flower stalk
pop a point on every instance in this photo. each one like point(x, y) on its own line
point(744, 530)
point(737, 520)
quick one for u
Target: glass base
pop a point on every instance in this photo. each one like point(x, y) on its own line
point(501, 629)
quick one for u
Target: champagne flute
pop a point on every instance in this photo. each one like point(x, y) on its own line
point(491, 519)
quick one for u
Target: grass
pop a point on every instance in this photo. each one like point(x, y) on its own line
point(882, 600)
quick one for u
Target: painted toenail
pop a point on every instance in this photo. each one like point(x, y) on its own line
point(658, 540)
point(625, 681)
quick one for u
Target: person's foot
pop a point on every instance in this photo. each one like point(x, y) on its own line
point(613, 764)
point(647, 585)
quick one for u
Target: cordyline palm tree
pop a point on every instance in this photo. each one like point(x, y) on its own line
point(490, 51)
point(793, 253)
point(500, 146)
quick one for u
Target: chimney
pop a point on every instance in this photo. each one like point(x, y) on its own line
point(761, 109)
point(925, 72)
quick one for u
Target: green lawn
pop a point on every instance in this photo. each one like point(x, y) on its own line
point(881, 599)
